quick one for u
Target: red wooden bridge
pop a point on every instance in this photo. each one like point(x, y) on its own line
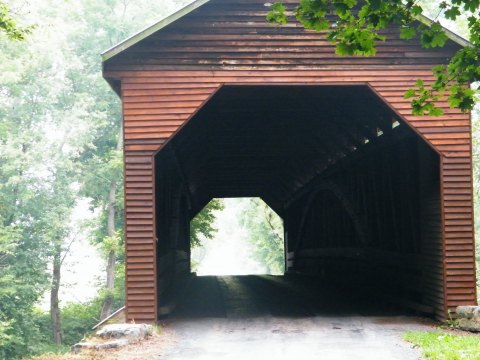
point(218, 103)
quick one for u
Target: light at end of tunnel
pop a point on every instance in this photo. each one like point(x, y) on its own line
point(248, 239)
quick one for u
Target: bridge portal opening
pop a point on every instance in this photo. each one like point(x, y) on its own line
point(237, 236)
point(357, 188)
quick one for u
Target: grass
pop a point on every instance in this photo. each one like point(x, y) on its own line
point(438, 345)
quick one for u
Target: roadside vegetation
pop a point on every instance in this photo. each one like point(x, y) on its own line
point(439, 345)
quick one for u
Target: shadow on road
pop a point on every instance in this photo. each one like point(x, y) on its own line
point(280, 296)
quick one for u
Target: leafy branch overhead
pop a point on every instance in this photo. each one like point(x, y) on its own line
point(9, 26)
point(354, 27)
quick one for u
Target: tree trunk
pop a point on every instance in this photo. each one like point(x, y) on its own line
point(111, 262)
point(112, 256)
point(108, 301)
point(54, 302)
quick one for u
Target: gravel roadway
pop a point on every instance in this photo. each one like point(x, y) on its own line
point(289, 317)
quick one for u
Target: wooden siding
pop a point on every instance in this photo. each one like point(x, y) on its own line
point(140, 241)
point(167, 77)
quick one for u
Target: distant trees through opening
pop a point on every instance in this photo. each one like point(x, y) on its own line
point(245, 236)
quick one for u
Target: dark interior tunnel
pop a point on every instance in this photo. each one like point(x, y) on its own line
point(356, 187)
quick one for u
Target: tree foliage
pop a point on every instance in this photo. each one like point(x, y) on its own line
point(9, 25)
point(355, 26)
point(202, 225)
point(21, 282)
point(264, 230)
point(36, 173)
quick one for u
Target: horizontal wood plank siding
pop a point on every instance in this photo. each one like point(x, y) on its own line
point(459, 259)
point(140, 260)
point(167, 77)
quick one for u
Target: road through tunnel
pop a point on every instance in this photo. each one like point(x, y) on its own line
point(357, 188)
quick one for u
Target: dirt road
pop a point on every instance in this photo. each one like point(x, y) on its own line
point(264, 317)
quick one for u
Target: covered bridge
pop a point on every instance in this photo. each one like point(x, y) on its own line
point(218, 103)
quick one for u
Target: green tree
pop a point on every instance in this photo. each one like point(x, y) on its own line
point(42, 132)
point(202, 225)
point(354, 27)
point(265, 233)
point(25, 191)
